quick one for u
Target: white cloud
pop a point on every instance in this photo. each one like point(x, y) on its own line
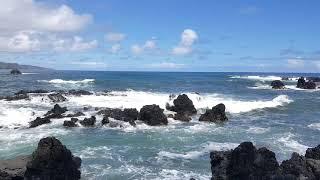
point(150, 44)
point(115, 48)
point(166, 65)
point(147, 46)
point(115, 37)
point(88, 63)
point(20, 15)
point(188, 38)
point(136, 49)
point(74, 45)
point(23, 41)
point(295, 63)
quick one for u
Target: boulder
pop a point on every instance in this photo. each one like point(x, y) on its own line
point(216, 114)
point(39, 121)
point(182, 117)
point(88, 121)
point(52, 160)
point(306, 84)
point(153, 115)
point(57, 97)
point(56, 112)
point(285, 78)
point(277, 84)
point(79, 92)
point(105, 120)
point(15, 72)
point(301, 82)
point(69, 124)
point(182, 104)
point(313, 153)
point(127, 115)
point(246, 162)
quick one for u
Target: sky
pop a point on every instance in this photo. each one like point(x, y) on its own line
point(162, 35)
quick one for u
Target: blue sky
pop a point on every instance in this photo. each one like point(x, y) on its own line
point(166, 35)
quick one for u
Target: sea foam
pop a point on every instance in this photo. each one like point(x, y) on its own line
point(61, 81)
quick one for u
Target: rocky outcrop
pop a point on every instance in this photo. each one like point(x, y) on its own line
point(127, 114)
point(39, 121)
point(246, 162)
point(153, 115)
point(182, 117)
point(217, 114)
point(15, 72)
point(14, 169)
point(52, 160)
point(57, 97)
point(77, 114)
point(277, 84)
point(182, 105)
point(79, 92)
point(16, 97)
point(306, 84)
point(313, 153)
point(88, 122)
point(71, 123)
point(56, 112)
point(38, 91)
point(105, 120)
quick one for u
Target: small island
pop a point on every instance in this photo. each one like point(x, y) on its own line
point(15, 72)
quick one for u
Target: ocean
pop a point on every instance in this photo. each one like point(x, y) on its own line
point(284, 121)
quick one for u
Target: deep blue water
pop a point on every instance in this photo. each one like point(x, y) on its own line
point(282, 120)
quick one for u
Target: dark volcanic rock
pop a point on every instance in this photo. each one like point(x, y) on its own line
point(15, 97)
point(15, 72)
point(313, 153)
point(277, 84)
point(248, 163)
point(13, 169)
point(52, 160)
point(182, 117)
point(57, 97)
point(105, 120)
point(56, 112)
point(127, 115)
point(39, 91)
point(306, 85)
point(39, 121)
point(285, 78)
point(77, 114)
point(88, 121)
point(153, 115)
point(216, 114)
point(313, 79)
point(69, 124)
point(182, 104)
point(301, 82)
point(79, 92)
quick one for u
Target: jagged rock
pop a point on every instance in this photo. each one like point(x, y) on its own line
point(79, 92)
point(74, 120)
point(14, 169)
point(105, 120)
point(285, 78)
point(39, 121)
point(216, 114)
point(305, 85)
point(182, 117)
point(127, 115)
point(77, 114)
point(57, 97)
point(246, 162)
point(56, 112)
point(301, 82)
point(277, 84)
point(69, 124)
point(52, 160)
point(153, 115)
point(182, 104)
point(15, 72)
point(313, 153)
point(88, 121)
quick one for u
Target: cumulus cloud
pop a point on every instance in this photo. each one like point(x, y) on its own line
point(188, 38)
point(115, 37)
point(18, 15)
point(74, 45)
point(147, 46)
point(115, 48)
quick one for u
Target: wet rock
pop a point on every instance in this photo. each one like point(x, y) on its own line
point(56, 112)
point(153, 115)
point(285, 78)
point(170, 116)
point(277, 84)
point(38, 91)
point(57, 97)
point(313, 153)
point(246, 162)
point(182, 104)
point(133, 123)
point(79, 92)
point(306, 84)
point(128, 114)
point(15, 72)
point(13, 169)
point(88, 121)
point(39, 121)
point(69, 124)
point(74, 120)
point(216, 114)
point(301, 82)
point(15, 97)
point(105, 120)
point(52, 160)
point(182, 117)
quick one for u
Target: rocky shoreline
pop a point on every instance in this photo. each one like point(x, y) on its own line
point(302, 83)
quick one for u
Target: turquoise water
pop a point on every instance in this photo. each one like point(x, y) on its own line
point(282, 120)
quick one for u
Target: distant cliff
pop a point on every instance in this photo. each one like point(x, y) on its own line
point(4, 65)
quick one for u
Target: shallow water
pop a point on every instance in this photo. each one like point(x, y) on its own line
point(282, 120)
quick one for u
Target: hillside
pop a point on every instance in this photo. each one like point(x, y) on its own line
point(4, 65)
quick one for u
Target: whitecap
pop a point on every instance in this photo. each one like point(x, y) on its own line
point(314, 126)
point(288, 142)
point(61, 81)
point(258, 130)
point(258, 78)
